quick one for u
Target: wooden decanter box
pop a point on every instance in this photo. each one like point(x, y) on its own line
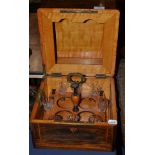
point(76, 104)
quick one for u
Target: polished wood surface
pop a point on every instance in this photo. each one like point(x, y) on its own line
point(80, 36)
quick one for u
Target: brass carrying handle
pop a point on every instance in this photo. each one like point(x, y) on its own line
point(70, 80)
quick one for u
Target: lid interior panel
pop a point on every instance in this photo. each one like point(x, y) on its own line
point(82, 42)
point(79, 41)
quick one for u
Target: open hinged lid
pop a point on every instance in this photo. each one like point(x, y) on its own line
point(78, 40)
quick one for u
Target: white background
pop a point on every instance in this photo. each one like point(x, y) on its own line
point(140, 77)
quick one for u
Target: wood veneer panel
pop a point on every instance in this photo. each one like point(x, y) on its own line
point(78, 35)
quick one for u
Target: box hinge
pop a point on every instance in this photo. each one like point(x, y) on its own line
point(52, 74)
point(101, 76)
point(55, 75)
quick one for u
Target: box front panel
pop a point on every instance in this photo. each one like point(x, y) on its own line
point(73, 137)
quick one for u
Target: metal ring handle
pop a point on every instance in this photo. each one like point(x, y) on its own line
point(70, 75)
